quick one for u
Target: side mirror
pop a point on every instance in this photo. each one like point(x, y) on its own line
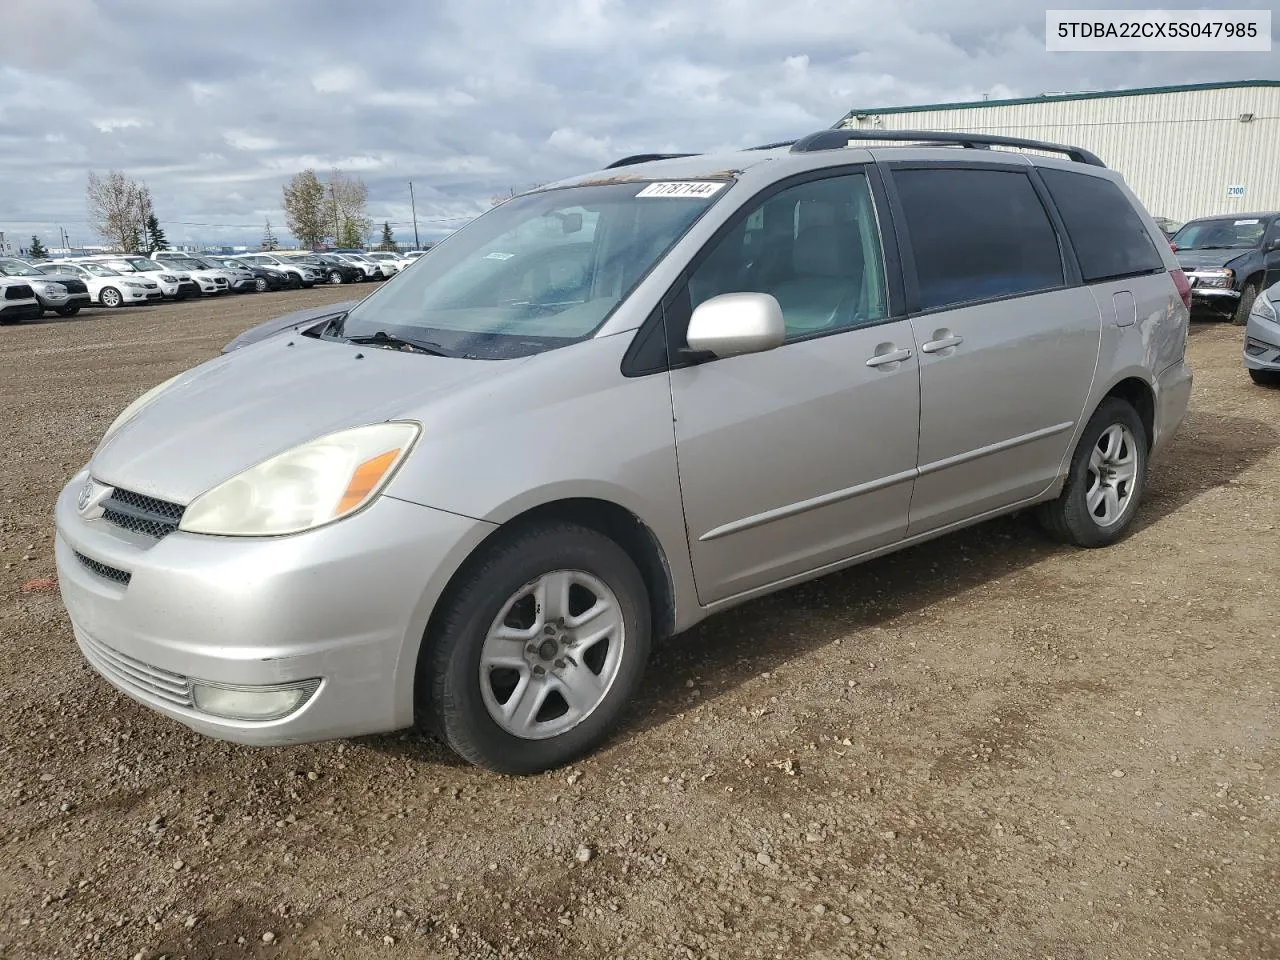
point(734, 324)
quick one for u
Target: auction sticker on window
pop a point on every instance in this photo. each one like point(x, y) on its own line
point(697, 189)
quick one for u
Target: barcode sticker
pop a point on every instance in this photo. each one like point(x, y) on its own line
point(684, 189)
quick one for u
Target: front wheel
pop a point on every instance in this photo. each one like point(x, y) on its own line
point(1247, 296)
point(260, 284)
point(1105, 482)
point(110, 297)
point(533, 658)
point(335, 277)
point(70, 310)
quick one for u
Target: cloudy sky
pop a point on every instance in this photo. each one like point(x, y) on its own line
point(215, 104)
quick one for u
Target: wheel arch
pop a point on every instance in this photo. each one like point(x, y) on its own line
point(1140, 395)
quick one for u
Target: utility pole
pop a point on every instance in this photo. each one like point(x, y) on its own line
point(417, 244)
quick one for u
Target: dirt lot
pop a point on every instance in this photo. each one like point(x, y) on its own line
point(988, 746)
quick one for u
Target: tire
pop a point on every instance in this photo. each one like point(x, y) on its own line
point(68, 311)
point(260, 284)
point(1247, 296)
point(110, 297)
point(451, 692)
point(1265, 378)
point(1070, 518)
point(295, 282)
point(335, 277)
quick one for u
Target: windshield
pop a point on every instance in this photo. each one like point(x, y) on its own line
point(16, 268)
point(98, 270)
point(141, 265)
point(199, 263)
point(536, 272)
point(1224, 234)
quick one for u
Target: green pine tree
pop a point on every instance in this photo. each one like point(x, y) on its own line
point(269, 241)
point(156, 240)
point(36, 251)
point(388, 241)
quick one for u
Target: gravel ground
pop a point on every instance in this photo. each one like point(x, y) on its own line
point(988, 746)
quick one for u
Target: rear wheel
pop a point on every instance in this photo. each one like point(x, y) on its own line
point(532, 660)
point(1105, 482)
point(70, 310)
point(1265, 378)
point(110, 297)
point(1247, 296)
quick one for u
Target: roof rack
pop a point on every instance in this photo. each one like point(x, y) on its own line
point(646, 157)
point(839, 138)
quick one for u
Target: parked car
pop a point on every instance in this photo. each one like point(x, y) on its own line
point(18, 301)
point(58, 291)
point(372, 269)
point(264, 278)
point(1262, 338)
point(386, 257)
point(300, 275)
point(1230, 259)
point(338, 270)
point(172, 283)
point(293, 322)
point(415, 254)
point(213, 280)
point(474, 499)
point(110, 287)
point(241, 278)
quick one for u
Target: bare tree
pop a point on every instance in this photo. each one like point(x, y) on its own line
point(118, 208)
point(349, 200)
point(305, 209)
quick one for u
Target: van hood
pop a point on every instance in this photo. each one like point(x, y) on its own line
point(1208, 259)
point(236, 411)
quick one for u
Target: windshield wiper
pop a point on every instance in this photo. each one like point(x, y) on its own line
point(384, 339)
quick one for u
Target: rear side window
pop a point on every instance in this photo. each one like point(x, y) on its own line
point(1109, 237)
point(977, 235)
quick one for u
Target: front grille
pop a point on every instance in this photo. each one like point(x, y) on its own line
point(135, 676)
point(142, 514)
point(113, 574)
point(75, 286)
point(19, 291)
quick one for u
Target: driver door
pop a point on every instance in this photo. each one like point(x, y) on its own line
point(802, 456)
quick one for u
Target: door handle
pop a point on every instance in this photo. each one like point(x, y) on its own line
point(893, 356)
point(945, 343)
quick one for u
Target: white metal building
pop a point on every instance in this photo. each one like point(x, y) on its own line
point(1187, 151)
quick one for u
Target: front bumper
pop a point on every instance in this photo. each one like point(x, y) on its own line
point(346, 604)
point(1261, 344)
point(12, 312)
point(139, 295)
point(57, 303)
point(244, 283)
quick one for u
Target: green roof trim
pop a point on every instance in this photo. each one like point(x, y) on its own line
point(1057, 98)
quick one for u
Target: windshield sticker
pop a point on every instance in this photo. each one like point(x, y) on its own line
point(1240, 223)
point(496, 255)
point(682, 189)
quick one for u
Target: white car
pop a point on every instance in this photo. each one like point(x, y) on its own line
point(204, 272)
point(210, 281)
point(108, 287)
point(303, 274)
point(372, 269)
point(411, 256)
point(385, 257)
point(18, 300)
point(170, 282)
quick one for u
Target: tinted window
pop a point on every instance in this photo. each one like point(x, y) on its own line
point(1109, 237)
point(815, 247)
point(977, 234)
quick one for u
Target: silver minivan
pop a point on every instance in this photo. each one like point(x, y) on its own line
point(611, 407)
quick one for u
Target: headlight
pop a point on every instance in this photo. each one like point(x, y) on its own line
point(51, 289)
point(133, 285)
point(302, 488)
point(1264, 309)
point(168, 279)
point(132, 409)
point(1216, 278)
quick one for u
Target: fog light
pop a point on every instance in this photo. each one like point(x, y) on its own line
point(252, 703)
